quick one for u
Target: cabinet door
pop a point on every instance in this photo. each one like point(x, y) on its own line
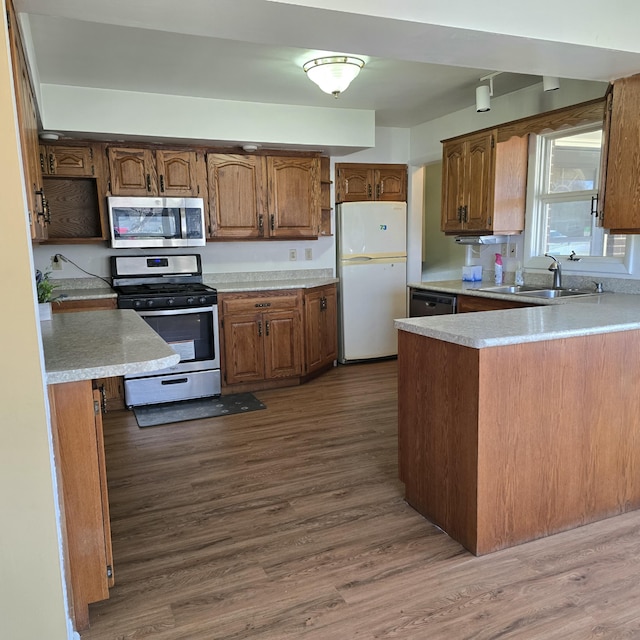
point(282, 344)
point(293, 197)
point(77, 435)
point(355, 184)
point(70, 161)
point(177, 173)
point(321, 335)
point(622, 206)
point(391, 183)
point(28, 130)
point(243, 348)
point(236, 195)
point(132, 172)
point(478, 183)
point(453, 166)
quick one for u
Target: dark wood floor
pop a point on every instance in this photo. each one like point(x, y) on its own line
point(289, 522)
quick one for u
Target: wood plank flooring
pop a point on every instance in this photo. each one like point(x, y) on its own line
point(290, 523)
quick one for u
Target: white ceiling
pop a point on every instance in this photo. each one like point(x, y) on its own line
point(253, 50)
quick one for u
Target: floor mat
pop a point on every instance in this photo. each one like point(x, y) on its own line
point(157, 414)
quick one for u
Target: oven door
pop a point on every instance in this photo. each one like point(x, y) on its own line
point(193, 334)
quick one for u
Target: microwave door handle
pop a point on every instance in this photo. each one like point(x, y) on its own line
point(183, 223)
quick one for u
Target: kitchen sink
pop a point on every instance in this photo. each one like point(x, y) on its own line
point(510, 288)
point(555, 293)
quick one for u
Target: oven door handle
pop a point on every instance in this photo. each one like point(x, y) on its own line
point(175, 381)
point(175, 312)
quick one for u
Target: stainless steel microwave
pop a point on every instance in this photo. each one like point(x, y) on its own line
point(156, 222)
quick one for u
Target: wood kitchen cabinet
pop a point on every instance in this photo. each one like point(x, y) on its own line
point(28, 130)
point(484, 184)
point(359, 182)
point(159, 172)
point(466, 304)
point(619, 198)
point(259, 197)
point(69, 160)
point(261, 334)
point(293, 197)
point(79, 448)
point(237, 195)
point(74, 182)
point(321, 328)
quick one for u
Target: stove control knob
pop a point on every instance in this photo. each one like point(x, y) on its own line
point(202, 299)
point(149, 303)
point(190, 300)
point(170, 301)
point(137, 303)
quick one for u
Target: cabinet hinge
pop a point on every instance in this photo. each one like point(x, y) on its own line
point(109, 571)
point(96, 407)
point(493, 142)
point(8, 20)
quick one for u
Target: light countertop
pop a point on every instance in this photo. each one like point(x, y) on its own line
point(101, 344)
point(603, 313)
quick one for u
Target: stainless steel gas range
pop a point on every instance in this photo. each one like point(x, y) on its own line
point(168, 292)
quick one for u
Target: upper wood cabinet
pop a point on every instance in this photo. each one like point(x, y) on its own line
point(619, 197)
point(28, 131)
point(75, 186)
point(484, 184)
point(148, 172)
point(237, 195)
point(358, 182)
point(69, 160)
point(263, 196)
point(293, 197)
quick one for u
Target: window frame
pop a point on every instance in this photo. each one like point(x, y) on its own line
point(534, 240)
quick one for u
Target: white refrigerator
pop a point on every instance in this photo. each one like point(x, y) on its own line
point(372, 268)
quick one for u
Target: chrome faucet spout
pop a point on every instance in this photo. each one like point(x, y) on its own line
point(556, 268)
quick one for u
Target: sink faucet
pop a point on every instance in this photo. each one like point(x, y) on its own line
point(556, 269)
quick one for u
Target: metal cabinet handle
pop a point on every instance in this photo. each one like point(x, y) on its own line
point(52, 164)
point(260, 328)
point(273, 222)
point(262, 304)
point(148, 182)
point(369, 191)
point(378, 191)
point(266, 327)
point(594, 206)
point(261, 224)
point(161, 182)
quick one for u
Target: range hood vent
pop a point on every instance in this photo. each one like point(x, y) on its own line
point(481, 239)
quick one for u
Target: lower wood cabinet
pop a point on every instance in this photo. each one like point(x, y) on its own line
point(79, 450)
point(275, 338)
point(111, 389)
point(261, 336)
point(321, 328)
point(468, 304)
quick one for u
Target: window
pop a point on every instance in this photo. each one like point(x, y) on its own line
point(561, 218)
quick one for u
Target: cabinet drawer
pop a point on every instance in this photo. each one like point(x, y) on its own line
point(252, 302)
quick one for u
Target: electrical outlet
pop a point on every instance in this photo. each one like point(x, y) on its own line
point(293, 255)
point(56, 263)
point(308, 253)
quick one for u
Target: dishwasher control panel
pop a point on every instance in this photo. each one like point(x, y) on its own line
point(430, 303)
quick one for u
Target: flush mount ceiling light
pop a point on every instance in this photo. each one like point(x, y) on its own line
point(333, 74)
point(549, 83)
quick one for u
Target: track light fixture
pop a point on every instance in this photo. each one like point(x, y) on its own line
point(484, 93)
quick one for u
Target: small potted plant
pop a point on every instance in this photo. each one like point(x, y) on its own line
point(45, 288)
